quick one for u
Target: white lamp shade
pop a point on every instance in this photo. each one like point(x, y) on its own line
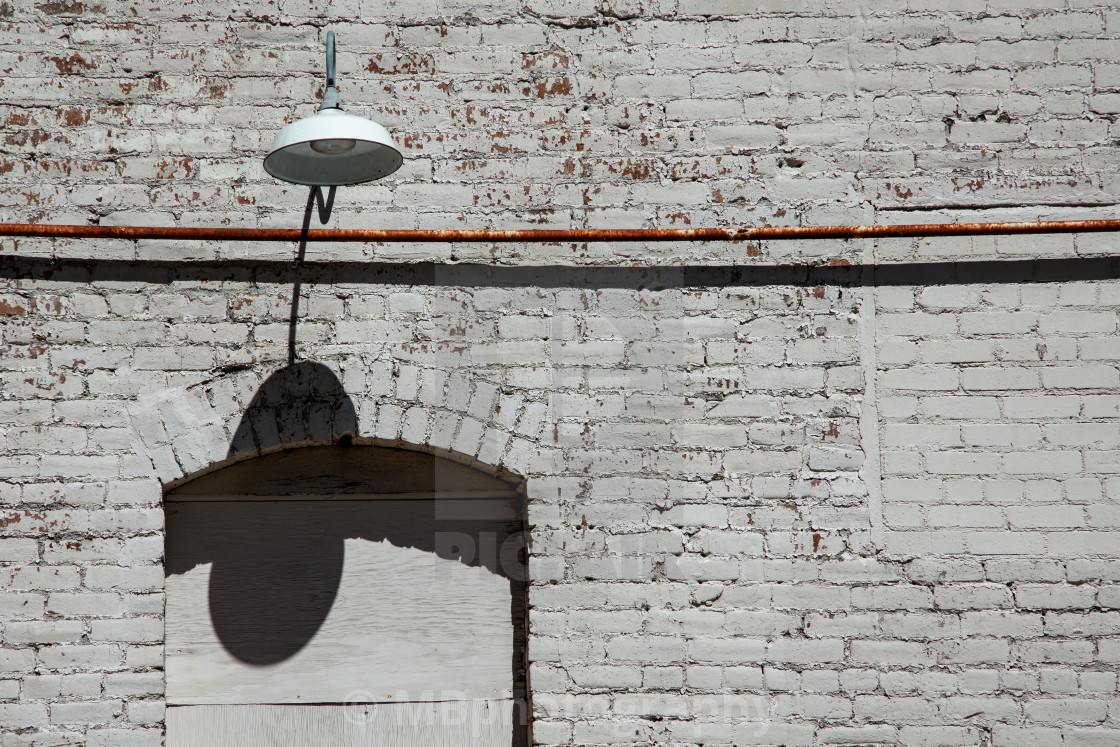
point(332, 148)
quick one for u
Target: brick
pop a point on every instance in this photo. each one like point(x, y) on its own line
point(1001, 435)
point(85, 713)
point(1075, 625)
point(1053, 596)
point(1008, 570)
point(1006, 736)
point(46, 578)
point(877, 708)
point(921, 379)
point(972, 596)
point(815, 651)
point(134, 683)
point(1067, 710)
point(1080, 377)
point(974, 651)
point(997, 323)
point(80, 656)
point(880, 734)
point(1035, 517)
point(44, 631)
point(1001, 624)
point(1049, 406)
point(646, 648)
point(963, 463)
point(23, 715)
point(1055, 652)
point(124, 737)
point(961, 408)
point(997, 709)
point(892, 597)
point(1002, 378)
point(1042, 462)
point(137, 578)
point(889, 653)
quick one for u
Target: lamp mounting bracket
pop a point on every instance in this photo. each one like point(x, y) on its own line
point(330, 96)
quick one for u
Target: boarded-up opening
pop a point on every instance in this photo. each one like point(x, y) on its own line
point(346, 596)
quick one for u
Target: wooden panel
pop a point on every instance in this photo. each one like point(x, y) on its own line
point(470, 724)
point(326, 601)
point(341, 470)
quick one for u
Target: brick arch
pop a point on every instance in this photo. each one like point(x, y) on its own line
point(191, 430)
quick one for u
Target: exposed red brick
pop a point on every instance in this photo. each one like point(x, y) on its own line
point(175, 168)
point(554, 87)
point(544, 60)
point(75, 64)
point(638, 169)
point(398, 64)
point(27, 137)
point(73, 116)
point(10, 309)
point(68, 8)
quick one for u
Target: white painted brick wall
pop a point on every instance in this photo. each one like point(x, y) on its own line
point(789, 508)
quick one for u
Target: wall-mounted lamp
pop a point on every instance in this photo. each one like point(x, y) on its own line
point(332, 148)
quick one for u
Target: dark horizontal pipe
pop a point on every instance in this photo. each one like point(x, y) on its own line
point(564, 235)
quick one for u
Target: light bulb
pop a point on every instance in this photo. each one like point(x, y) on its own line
point(332, 147)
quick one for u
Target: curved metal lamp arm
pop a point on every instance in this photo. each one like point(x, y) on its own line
point(330, 96)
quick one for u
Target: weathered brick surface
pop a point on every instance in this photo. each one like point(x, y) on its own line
point(772, 507)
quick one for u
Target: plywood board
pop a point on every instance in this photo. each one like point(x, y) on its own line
point(322, 601)
point(470, 724)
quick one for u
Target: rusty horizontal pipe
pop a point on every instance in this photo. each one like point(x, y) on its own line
point(560, 235)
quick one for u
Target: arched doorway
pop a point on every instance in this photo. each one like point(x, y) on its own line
point(345, 595)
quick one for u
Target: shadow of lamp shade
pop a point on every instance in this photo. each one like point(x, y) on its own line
point(332, 148)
